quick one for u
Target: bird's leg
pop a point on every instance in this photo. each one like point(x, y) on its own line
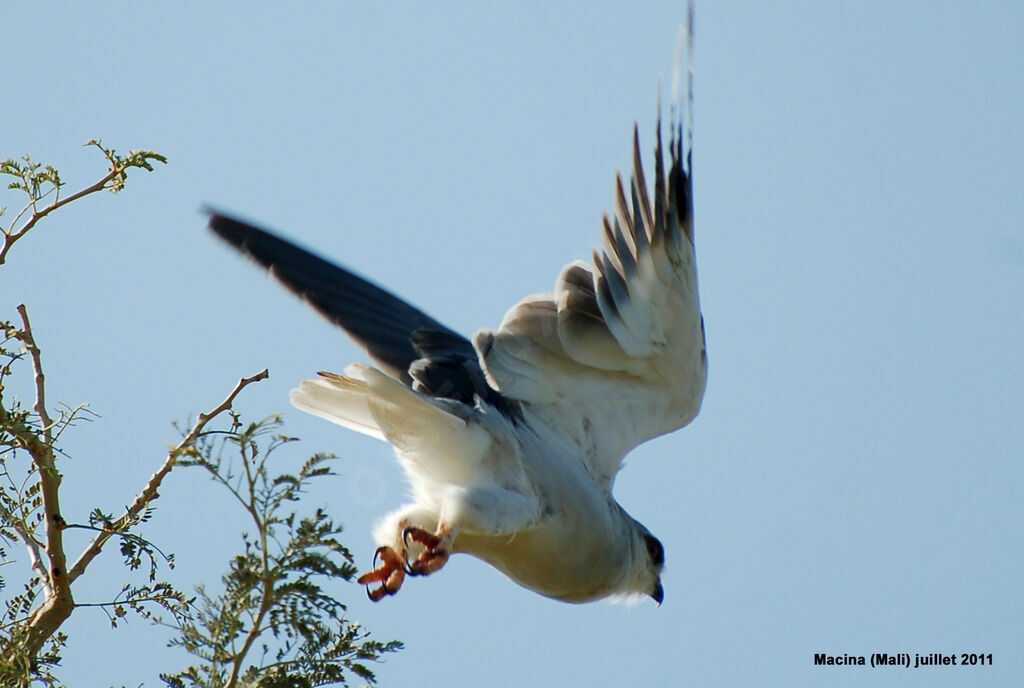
point(437, 548)
point(390, 574)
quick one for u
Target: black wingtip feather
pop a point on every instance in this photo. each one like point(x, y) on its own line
point(408, 344)
point(252, 241)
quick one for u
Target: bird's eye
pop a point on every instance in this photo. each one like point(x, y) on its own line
point(655, 551)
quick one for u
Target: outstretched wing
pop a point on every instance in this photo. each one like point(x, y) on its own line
point(617, 354)
point(408, 344)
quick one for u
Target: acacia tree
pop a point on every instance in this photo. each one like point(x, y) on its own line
point(272, 591)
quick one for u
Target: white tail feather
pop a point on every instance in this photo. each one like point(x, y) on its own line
point(429, 439)
point(341, 401)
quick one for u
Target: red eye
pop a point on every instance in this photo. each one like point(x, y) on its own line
point(655, 551)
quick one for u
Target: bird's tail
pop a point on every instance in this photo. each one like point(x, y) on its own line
point(341, 400)
point(368, 401)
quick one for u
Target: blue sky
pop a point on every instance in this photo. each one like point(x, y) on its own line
point(854, 481)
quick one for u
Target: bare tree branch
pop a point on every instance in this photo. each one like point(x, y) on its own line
point(150, 491)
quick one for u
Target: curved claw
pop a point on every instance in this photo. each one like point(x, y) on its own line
point(390, 567)
point(405, 559)
point(428, 540)
point(435, 551)
point(428, 562)
point(391, 570)
point(380, 593)
point(409, 570)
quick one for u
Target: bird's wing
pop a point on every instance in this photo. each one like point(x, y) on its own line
point(394, 333)
point(617, 354)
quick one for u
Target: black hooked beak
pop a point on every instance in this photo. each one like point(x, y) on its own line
point(658, 594)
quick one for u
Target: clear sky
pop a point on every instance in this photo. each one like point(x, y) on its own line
point(854, 482)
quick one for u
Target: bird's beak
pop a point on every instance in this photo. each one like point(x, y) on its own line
point(658, 594)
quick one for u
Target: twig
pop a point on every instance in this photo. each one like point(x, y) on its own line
point(150, 492)
point(113, 180)
point(266, 579)
point(33, 546)
point(19, 522)
point(14, 235)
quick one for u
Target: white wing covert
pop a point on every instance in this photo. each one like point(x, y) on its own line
point(616, 356)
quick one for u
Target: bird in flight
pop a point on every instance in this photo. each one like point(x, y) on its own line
point(511, 441)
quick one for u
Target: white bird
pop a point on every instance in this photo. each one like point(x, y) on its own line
point(511, 442)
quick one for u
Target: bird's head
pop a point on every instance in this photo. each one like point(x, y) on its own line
point(648, 561)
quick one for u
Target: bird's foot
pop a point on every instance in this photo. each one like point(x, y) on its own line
point(437, 549)
point(390, 574)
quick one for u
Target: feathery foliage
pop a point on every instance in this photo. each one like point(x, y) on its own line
point(273, 624)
